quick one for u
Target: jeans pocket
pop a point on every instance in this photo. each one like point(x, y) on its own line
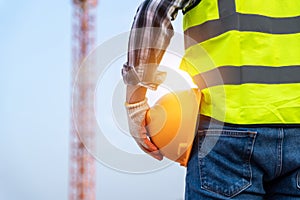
point(224, 160)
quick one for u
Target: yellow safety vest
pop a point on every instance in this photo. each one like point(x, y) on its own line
point(245, 56)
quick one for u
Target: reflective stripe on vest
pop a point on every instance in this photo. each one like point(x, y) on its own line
point(245, 56)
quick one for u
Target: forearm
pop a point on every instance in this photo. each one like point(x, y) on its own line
point(135, 93)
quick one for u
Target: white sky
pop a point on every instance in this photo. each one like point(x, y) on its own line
point(35, 49)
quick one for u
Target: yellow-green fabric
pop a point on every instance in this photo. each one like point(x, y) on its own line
point(236, 48)
point(252, 103)
point(205, 11)
point(270, 8)
point(247, 103)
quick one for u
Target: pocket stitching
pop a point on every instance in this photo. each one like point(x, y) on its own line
point(227, 133)
point(230, 194)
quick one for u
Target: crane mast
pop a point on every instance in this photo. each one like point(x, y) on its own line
point(82, 169)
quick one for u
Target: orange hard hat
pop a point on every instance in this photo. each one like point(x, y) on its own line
point(171, 124)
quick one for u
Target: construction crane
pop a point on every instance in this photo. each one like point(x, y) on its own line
point(82, 169)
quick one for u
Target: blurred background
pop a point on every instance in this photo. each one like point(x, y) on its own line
point(35, 103)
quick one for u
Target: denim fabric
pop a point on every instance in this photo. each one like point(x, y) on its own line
point(229, 162)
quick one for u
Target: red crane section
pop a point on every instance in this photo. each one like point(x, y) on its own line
point(82, 169)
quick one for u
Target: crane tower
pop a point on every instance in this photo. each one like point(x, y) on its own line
point(82, 170)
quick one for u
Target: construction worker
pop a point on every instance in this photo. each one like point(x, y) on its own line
point(248, 140)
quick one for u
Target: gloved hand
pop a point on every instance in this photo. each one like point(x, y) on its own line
point(136, 113)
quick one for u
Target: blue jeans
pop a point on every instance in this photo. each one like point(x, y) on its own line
point(229, 162)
